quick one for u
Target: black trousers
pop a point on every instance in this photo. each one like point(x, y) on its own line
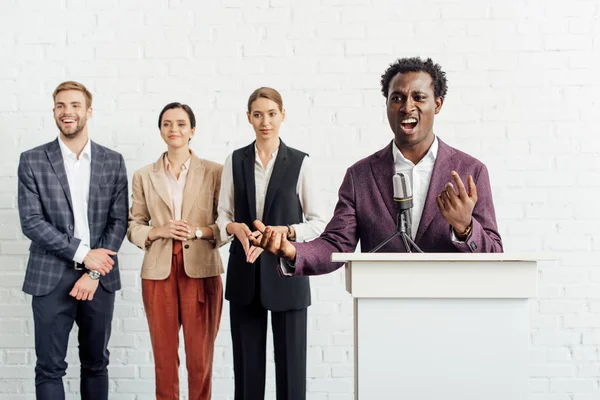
point(249, 338)
point(53, 316)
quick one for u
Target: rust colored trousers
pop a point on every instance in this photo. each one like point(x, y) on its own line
point(195, 304)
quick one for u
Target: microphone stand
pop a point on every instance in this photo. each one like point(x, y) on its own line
point(402, 221)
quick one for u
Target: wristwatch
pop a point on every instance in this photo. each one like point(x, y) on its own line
point(198, 233)
point(95, 275)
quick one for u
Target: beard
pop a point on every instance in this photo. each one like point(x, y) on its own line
point(73, 131)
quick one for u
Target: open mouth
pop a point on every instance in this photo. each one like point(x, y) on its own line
point(68, 121)
point(408, 124)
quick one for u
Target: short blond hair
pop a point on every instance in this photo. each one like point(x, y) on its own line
point(72, 85)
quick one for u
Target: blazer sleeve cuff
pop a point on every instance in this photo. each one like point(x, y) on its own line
point(140, 236)
point(472, 243)
point(286, 268)
point(218, 240)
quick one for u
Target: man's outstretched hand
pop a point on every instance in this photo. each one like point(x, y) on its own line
point(271, 240)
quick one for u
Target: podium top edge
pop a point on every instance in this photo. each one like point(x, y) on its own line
point(425, 257)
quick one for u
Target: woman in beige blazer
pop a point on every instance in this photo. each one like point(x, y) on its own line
point(172, 218)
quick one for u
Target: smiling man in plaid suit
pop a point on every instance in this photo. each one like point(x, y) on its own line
point(73, 205)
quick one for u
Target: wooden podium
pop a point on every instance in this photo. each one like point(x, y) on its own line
point(440, 326)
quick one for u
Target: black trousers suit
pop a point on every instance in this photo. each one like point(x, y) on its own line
point(53, 316)
point(249, 339)
point(255, 289)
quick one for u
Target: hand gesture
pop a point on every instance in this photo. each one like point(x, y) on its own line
point(178, 230)
point(254, 251)
point(99, 260)
point(241, 232)
point(84, 288)
point(457, 208)
point(272, 240)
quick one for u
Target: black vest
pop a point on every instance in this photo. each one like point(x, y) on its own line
point(282, 207)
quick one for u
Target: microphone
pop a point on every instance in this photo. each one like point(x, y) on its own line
point(404, 200)
point(402, 191)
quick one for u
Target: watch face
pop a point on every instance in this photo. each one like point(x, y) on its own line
point(198, 233)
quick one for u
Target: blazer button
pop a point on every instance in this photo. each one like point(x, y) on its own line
point(187, 246)
point(70, 227)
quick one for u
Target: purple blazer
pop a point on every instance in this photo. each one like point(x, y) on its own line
point(366, 211)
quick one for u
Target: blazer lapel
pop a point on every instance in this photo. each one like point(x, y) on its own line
point(279, 172)
point(193, 186)
point(383, 170)
point(97, 162)
point(439, 178)
point(56, 160)
point(160, 183)
point(248, 167)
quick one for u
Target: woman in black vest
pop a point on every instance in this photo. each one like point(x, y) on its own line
point(270, 181)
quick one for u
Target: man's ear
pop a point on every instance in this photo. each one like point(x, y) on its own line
point(439, 101)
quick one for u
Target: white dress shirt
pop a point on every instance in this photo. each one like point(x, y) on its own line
point(78, 175)
point(312, 208)
point(420, 177)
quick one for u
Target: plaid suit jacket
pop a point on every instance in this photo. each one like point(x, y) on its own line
point(46, 214)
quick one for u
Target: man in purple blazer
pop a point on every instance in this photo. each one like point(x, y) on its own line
point(446, 217)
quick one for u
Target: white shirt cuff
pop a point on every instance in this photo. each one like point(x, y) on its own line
point(300, 231)
point(457, 240)
point(287, 269)
point(81, 253)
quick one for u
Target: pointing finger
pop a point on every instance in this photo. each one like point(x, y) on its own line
point(462, 193)
point(449, 190)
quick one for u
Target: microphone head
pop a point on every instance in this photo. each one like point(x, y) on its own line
point(402, 191)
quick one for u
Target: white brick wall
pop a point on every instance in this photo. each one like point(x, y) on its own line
point(524, 84)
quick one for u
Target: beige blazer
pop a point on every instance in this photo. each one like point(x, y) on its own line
point(151, 207)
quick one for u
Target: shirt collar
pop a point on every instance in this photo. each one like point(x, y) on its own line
point(273, 154)
point(184, 167)
point(431, 154)
point(67, 153)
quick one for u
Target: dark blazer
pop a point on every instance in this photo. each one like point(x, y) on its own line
point(366, 211)
point(282, 207)
point(46, 213)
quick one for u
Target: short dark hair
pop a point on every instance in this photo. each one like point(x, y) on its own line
point(416, 64)
point(184, 107)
